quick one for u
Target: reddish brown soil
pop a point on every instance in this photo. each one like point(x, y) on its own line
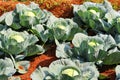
point(108, 71)
point(60, 8)
point(8, 6)
point(116, 4)
point(110, 74)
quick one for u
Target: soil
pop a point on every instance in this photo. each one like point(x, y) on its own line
point(60, 8)
point(8, 6)
point(108, 72)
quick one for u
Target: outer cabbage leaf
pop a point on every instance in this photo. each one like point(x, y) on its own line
point(109, 42)
point(78, 38)
point(22, 66)
point(6, 67)
point(3, 77)
point(20, 7)
point(89, 71)
point(117, 70)
point(111, 15)
point(111, 59)
point(9, 19)
point(13, 78)
point(61, 50)
point(38, 74)
point(34, 49)
point(116, 23)
point(117, 39)
point(2, 17)
point(107, 5)
point(33, 5)
point(40, 32)
point(3, 27)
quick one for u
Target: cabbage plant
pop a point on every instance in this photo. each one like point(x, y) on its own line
point(25, 16)
point(62, 29)
point(93, 15)
point(116, 23)
point(9, 67)
point(100, 49)
point(65, 69)
point(19, 43)
point(6, 68)
point(56, 28)
point(22, 66)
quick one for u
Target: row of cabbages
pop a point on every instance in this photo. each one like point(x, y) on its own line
point(26, 30)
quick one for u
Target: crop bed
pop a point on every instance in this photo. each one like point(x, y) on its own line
point(72, 40)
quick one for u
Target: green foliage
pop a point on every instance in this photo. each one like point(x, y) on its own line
point(25, 16)
point(65, 69)
point(14, 43)
point(25, 29)
point(62, 29)
point(101, 49)
point(91, 14)
point(6, 67)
